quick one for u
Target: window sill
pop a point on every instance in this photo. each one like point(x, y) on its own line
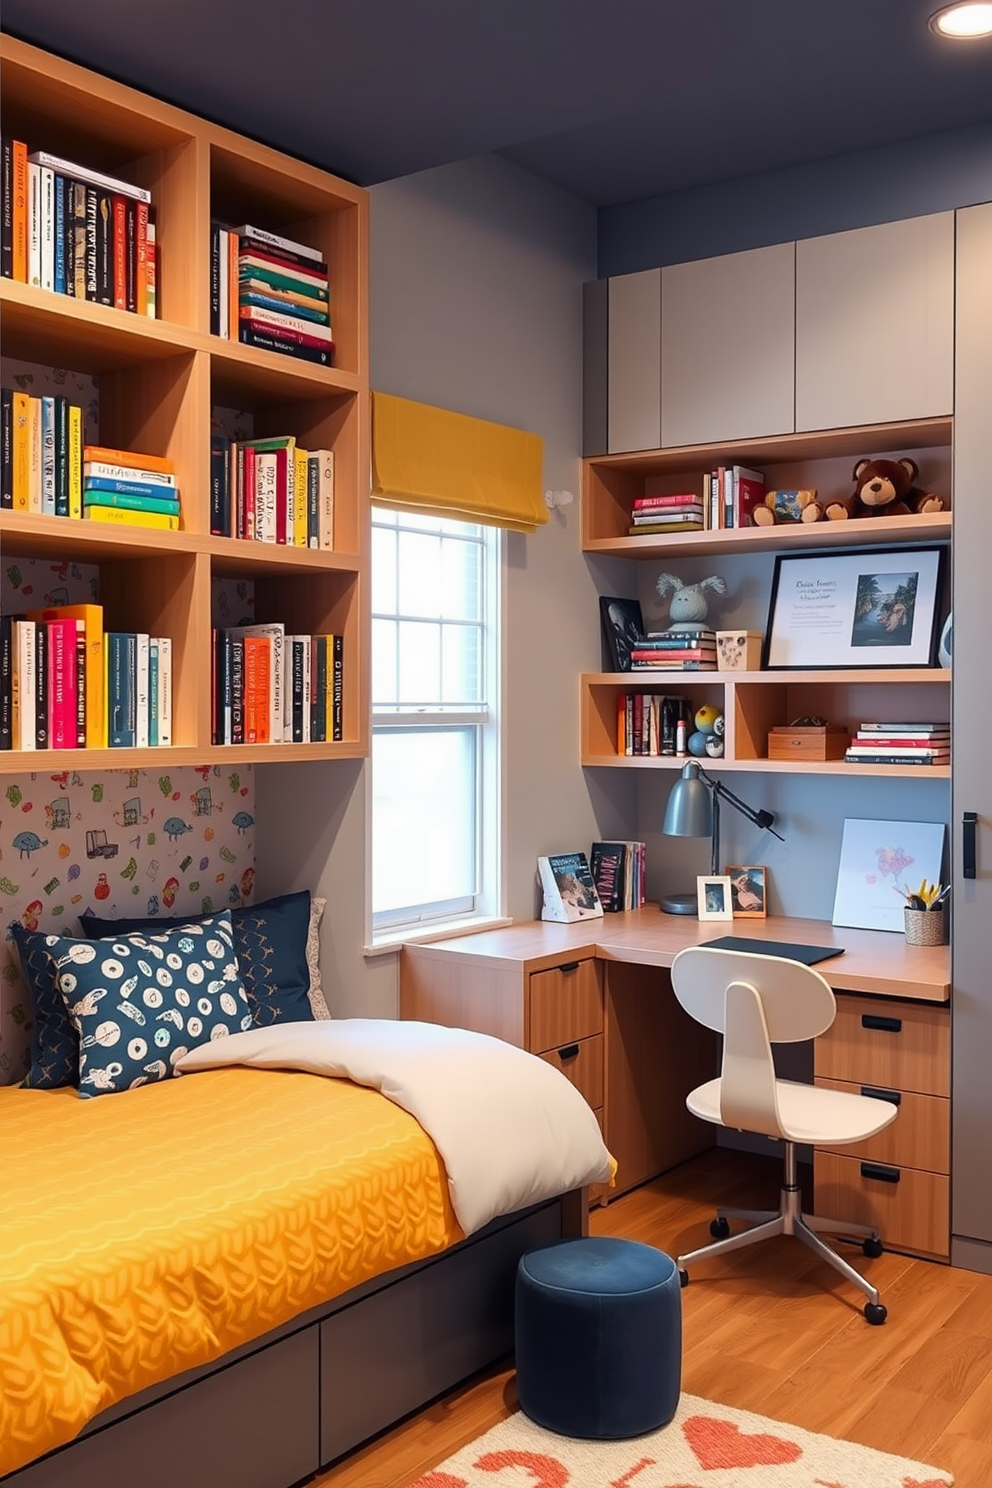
point(390, 941)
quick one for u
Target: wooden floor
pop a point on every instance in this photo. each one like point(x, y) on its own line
point(772, 1330)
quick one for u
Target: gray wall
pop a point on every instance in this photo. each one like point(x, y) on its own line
point(917, 176)
point(476, 289)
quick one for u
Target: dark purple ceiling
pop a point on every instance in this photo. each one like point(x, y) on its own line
point(613, 100)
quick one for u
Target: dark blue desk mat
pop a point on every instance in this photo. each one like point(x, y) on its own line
point(807, 954)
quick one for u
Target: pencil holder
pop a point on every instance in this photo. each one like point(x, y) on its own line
point(924, 926)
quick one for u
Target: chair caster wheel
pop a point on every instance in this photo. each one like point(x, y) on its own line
point(719, 1229)
point(683, 1279)
point(872, 1247)
point(875, 1313)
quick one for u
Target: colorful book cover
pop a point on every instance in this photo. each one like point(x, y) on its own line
point(264, 339)
point(318, 690)
point(162, 521)
point(165, 690)
point(256, 235)
point(284, 288)
point(6, 681)
point(313, 313)
point(91, 617)
point(130, 497)
point(19, 222)
point(35, 454)
point(75, 460)
point(141, 645)
point(258, 652)
point(154, 703)
point(61, 456)
point(256, 261)
point(42, 727)
point(6, 449)
point(337, 688)
point(102, 470)
point(78, 232)
point(47, 191)
point(81, 734)
point(48, 456)
point(141, 259)
point(569, 891)
point(21, 450)
point(62, 720)
point(310, 333)
point(121, 657)
point(301, 462)
point(97, 453)
point(61, 185)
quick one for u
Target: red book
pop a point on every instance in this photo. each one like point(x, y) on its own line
point(675, 656)
point(283, 262)
point(141, 256)
point(750, 494)
point(248, 492)
point(879, 741)
point(283, 333)
point(232, 286)
point(120, 252)
point(653, 503)
point(258, 662)
point(62, 689)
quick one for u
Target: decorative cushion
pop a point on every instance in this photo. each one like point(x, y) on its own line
point(139, 1002)
point(54, 1041)
point(271, 940)
point(318, 1004)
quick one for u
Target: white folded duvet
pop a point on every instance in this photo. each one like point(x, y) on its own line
point(510, 1128)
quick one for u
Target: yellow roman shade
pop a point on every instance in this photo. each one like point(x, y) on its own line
point(449, 465)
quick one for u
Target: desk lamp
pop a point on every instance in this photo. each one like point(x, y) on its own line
point(693, 810)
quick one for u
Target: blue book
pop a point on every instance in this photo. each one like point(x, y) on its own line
point(133, 488)
point(122, 660)
point(95, 495)
point(285, 307)
point(153, 692)
point(60, 192)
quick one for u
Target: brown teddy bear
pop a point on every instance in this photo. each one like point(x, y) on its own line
point(785, 507)
point(885, 488)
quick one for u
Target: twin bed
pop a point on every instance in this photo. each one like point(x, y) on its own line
point(238, 1275)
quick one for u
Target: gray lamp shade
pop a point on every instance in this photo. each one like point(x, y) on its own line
point(689, 812)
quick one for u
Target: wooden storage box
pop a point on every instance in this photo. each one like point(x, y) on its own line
point(828, 742)
point(738, 650)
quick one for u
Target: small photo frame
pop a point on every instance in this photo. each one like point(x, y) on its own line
point(713, 896)
point(748, 891)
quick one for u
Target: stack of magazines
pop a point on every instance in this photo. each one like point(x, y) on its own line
point(688, 649)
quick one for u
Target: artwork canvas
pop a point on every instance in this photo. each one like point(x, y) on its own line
point(748, 891)
point(880, 861)
point(623, 625)
point(714, 898)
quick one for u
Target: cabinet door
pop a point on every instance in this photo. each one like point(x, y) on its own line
point(875, 324)
point(728, 349)
point(971, 1014)
point(634, 362)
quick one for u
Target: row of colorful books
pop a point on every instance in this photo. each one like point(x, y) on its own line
point(75, 231)
point(270, 291)
point(617, 870)
point(648, 724)
point(46, 468)
point(688, 649)
point(274, 688)
point(67, 684)
point(272, 490)
point(724, 497)
point(905, 743)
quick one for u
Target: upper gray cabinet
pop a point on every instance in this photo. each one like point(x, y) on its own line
point(875, 324)
point(633, 395)
point(728, 347)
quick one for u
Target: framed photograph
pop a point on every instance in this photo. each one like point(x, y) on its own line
point(880, 863)
point(623, 626)
point(748, 895)
point(876, 607)
point(714, 898)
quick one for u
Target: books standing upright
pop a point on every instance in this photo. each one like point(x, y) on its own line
point(569, 891)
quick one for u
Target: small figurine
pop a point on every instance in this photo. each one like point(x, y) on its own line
point(689, 605)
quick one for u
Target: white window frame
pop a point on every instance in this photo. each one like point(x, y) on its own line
point(487, 906)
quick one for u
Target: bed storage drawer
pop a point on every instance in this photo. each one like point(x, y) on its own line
point(423, 1334)
point(910, 1208)
point(254, 1424)
point(566, 1003)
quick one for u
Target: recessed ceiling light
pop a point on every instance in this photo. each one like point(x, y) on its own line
point(964, 21)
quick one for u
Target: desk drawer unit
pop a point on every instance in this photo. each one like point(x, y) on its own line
point(582, 1063)
point(899, 1179)
point(566, 1003)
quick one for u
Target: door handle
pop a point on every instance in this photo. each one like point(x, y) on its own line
point(880, 1171)
point(875, 1092)
point(881, 1025)
point(969, 844)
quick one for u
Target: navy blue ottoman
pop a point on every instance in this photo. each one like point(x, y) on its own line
point(598, 1337)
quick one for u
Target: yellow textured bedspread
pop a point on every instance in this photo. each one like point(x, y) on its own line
point(147, 1232)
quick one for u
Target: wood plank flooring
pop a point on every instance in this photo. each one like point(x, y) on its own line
point(770, 1329)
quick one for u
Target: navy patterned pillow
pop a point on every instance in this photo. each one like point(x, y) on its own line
point(140, 1002)
point(54, 1041)
point(271, 942)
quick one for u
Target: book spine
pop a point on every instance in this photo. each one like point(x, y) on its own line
point(34, 225)
point(59, 189)
point(105, 470)
point(75, 460)
point(257, 684)
point(337, 689)
point(154, 703)
point(223, 281)
point(61, 456)
point(104, 248)
point(141, 691)
point(47, 190)
point(325, 499)
point(249, 493)
point(82, 704)
point(151, 270)
point(224, 689)
point(237, 690)
point(62, 715)
point(248, 235)
point(301, 501)
point(83, 173)
point(6, 682)
point(215, 279)
point(20, 451)
point(250, 300)
point(141, 258)
point(289, 327)
point(42, 700)
point(232, 287)
point(26, 674)
point(161, 521)
point(7, 207)
point(130, 264)
point(20, 214)
point(269, 277)
point(313, 501)
point(297, 691)
point(6, 449)
point(266, 341)
point(318, 688)
point(266, 497)
point(165, 691)
point(36, 452)
point(119, 493)
point(91, 252)
point(78, 230)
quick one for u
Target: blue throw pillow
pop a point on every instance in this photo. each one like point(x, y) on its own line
point(54, 1041)
point(139, 1002)
point(271, 942)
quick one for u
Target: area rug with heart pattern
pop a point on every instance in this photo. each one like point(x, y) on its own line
point(703, 1446)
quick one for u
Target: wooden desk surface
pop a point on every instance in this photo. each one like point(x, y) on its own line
point(875, 961)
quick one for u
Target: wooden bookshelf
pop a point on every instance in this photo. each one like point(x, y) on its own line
point(160, 379)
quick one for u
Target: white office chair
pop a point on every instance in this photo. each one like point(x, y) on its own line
point(756, 1001)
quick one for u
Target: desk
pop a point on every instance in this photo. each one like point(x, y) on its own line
point(593, 999)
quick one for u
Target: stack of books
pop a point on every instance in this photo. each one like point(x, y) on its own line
point(271, 490)
point(274, 688)
point(675, 513)
point(617, 870)
point(66, 684)
point(271, 292)
point(74, 230)
point(901, 744)
point(734, 492)
point(41, 443)
point(688, 649)
point(124, 487)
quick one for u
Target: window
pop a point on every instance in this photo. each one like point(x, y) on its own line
point(435, 721)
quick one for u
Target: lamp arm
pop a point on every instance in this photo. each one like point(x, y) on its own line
point(762, 819)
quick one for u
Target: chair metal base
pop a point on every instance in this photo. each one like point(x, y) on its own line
point(789, 1219)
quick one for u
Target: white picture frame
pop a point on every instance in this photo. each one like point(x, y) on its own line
point(881, 862)
point(713, 897)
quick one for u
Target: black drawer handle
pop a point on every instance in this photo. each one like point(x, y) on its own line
point(570, 966)
point(969, 844)
point(883, 1174)
point(881, 1025)
point(568, 1051)
point(875, 1092)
